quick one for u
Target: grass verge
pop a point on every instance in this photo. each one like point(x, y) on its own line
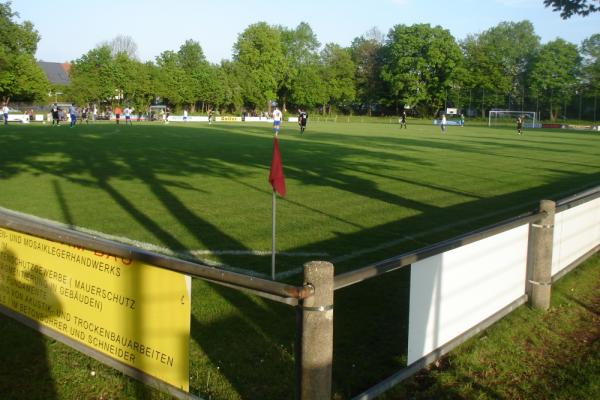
point(527, 355)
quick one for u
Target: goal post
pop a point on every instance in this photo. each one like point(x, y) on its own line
point(498, 118)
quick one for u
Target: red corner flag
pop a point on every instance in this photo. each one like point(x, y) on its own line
point(276, 178)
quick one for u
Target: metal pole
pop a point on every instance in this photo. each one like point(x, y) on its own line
point(580, 94)
point(317, 333)
point(273, 244)
point(542, 234)
point(483, 104)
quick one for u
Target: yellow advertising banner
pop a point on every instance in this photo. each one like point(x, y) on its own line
point(133, 312)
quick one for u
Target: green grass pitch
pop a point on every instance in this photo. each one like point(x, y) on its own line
point(357, 193)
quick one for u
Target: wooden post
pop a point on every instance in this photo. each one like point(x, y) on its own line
point(316, 348)
point(540, 283)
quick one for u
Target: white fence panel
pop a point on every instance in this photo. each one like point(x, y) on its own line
point(576, 231)
point(454, 291)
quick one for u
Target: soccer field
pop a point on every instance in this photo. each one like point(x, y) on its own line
point(356, 193)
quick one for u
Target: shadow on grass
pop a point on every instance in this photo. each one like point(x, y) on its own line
point(25, 371)
point(370, 319)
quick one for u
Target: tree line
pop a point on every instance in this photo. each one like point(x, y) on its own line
point(419, 68)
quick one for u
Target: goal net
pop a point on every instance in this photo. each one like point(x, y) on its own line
point(504, 118)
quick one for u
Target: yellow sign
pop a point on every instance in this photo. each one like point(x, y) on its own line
point(133, 312)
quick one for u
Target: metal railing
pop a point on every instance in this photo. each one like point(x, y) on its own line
point(313, 300)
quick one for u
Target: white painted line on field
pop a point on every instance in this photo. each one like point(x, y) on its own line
point(194, 255)
point(257, 253)
point(190, 255)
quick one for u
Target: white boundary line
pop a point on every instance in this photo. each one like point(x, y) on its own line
point(193, 255)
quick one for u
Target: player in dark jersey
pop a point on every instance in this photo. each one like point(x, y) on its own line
point(55, 115)
point(302, 119)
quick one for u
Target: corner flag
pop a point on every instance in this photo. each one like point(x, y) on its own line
point(276, 178)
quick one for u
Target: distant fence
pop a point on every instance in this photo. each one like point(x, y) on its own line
point(458, 287)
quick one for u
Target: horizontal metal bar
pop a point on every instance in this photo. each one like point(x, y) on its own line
point(43, 229)
point(581, 198)
point(101, 357)
point(577, 196)
point(439, 352)
point(394, 263)
point(291, 301)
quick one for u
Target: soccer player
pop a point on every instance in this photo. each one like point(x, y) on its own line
point(185, 115)
point(73, 115)
point(55, 115)
point(443, 124)
point(128, 116)
point(302, 119)
point(118, 114)
point(403, 120)
point(276, 120)
point(210, 116)
point(5, 113)
point(519, 122)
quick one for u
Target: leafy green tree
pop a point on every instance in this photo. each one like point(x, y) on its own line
point(171, 78)
point(192, 61)
point(590, 49)
point(20, 76)
point(419, 66)
point(213, 87)
point(337, 76)
point(94, 77)
point(134, 81)
point(233, 98)
point(554, 75)
point(568, 8)
point(308, 88)
point(300, 47)
point(497, 61)
point(259, 56)
point(366, 55)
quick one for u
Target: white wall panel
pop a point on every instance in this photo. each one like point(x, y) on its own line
point(454, 291)
point(576, 231)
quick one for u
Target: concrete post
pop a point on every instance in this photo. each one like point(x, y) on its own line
point(541, 272)
point(317, 333)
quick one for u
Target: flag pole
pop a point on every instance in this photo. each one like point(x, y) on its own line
point(277, 180)
point(273, 237)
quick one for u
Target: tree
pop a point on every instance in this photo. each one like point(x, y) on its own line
point(192, 61)
point(260, 62)
point(20, 76)
point(171, 78)
point(337, 75)
point(122, 44)
point(232, 89)
point(94, 77)
point(554, 75)
point(366, 55)
point(568, 8)
point(419, 66)
point(590, 49)
point(308, 88)
point(497, 60)
point(300, 48)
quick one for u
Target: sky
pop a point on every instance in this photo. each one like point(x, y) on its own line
point(71, 29)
